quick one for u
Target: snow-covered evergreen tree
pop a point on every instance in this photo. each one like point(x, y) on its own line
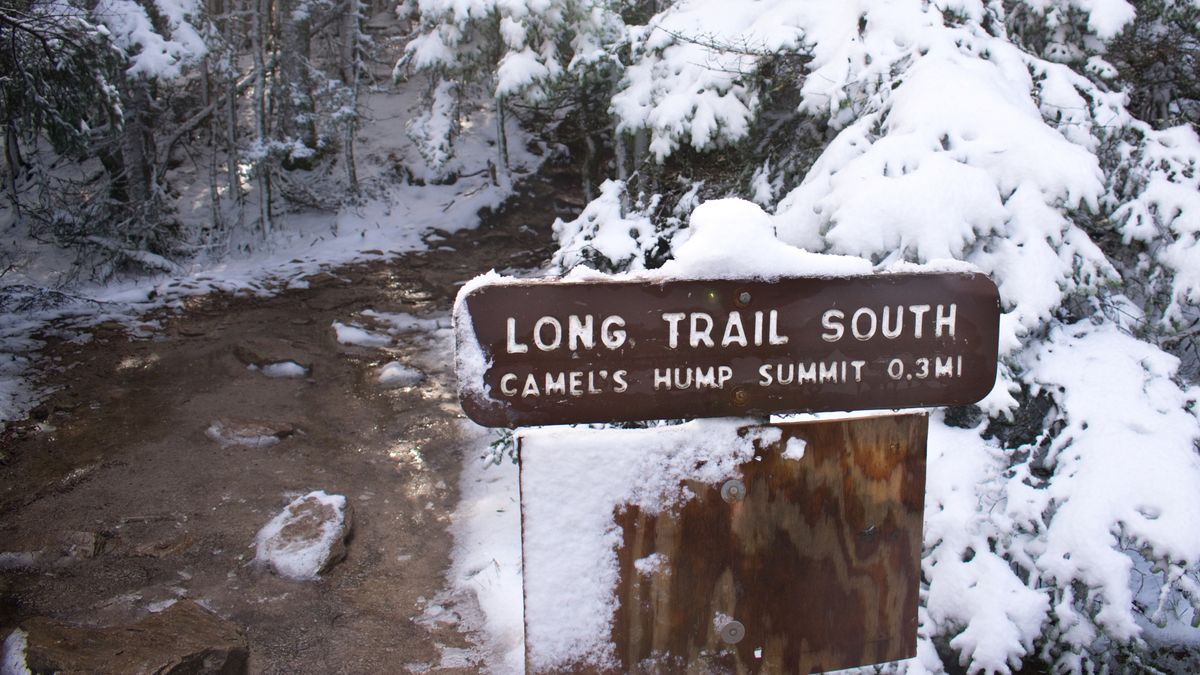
point(103, 100)
point(82, 83)
point(1061, 512)
point(531, 58)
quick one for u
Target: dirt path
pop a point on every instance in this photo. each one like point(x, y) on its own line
point(125, 503)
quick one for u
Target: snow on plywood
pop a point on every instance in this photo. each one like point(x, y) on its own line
point(571, 481)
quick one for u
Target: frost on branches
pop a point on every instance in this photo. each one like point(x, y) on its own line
point(516, 53)
point(1061, 513)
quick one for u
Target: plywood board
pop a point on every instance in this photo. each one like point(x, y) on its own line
point(820, 561)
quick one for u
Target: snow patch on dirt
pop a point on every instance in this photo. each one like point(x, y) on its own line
point(396, 374)
point(306, 538)
point(13, 662)
point(353, 335)
point(487, 552)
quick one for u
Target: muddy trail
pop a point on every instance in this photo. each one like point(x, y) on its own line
point(124, 503)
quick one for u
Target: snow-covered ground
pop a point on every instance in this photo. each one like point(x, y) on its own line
point(394, 217)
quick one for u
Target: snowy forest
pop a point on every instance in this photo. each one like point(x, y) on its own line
point(1051, 144)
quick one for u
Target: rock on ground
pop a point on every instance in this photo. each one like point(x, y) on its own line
point(308, 537)
point(250, 433)
point(396, 374)
point(184, 638)
point(261, 351)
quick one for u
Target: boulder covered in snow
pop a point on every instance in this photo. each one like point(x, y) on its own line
point(283, 369)
point(349, 334)
point(183, 638)
point(395, 374)
point(249, 433)
point(308, 537)
point(263, 351)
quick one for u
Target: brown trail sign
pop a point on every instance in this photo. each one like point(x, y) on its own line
point(792, 564)
point(574, 352)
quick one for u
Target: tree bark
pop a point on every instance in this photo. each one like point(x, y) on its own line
point(14, 162)
point(263, 169)
point(351, 72)
point(295, 109)
point(138, 146)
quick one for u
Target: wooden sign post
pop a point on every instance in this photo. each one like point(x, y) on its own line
point(792, 562)
point(818, 560)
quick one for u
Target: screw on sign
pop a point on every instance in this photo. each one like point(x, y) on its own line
point(733, 632)
point(555, 352)
point(733, 490)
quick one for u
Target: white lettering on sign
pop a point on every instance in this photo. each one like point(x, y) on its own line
point(514, 347)
point(701, 324)
point(744, 329)
point(563, 383)
point(945, 321)
point(810, 372)
point(555, 331)
point(866, 323)
point(734, 323)
point(697, 334)
point(699, 377)
point(580, 334)
point(578, 383)
point(610, 332)
point(937, 368)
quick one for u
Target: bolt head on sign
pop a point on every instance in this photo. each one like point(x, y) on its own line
point(535, 352)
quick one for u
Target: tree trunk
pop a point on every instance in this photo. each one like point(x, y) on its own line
point(501, 132)
point(231, 134)
point(295, 110)
point(14, 162)
point(263, 169)
point(138, 147)
point(621, 159)
point(351, 72)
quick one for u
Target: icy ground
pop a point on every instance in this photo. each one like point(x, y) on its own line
point(171, 419)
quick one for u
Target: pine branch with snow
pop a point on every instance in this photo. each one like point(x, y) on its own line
point(1060, 521)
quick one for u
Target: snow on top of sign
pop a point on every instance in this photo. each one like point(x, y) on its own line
point(939, 265)
point(572, 480)
point(470, 363)
point(734, 238)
